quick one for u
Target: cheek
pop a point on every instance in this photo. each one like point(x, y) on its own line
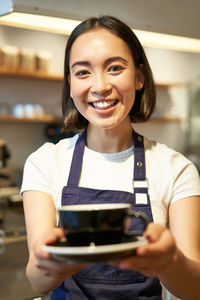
point(78, 90)
point(79, 97)
point(126, 85)
point(129, 84)
point(128, 92)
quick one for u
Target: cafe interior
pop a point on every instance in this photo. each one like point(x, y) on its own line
point(30, 96)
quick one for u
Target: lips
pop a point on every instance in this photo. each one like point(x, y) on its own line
point(103, 105)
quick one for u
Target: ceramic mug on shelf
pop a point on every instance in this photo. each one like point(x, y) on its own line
point(100, 224)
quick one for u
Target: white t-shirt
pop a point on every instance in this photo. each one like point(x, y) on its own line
point(170, 175)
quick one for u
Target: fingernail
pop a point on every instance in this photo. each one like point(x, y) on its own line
point(148, 237)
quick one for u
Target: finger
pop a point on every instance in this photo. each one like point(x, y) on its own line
point(40, 253)
point(145, 264)
point(58, 268)
point(153, 232)
point(53, 236)
point(50, 237)
point(164, 245)
point(45, 264)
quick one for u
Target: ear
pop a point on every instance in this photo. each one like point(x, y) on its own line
point(139, 80)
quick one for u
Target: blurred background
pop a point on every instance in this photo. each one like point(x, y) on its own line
point(31, 78)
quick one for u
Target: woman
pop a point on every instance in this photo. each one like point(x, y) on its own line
point(108, 85)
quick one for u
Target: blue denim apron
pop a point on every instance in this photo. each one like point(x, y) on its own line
point(101, 281)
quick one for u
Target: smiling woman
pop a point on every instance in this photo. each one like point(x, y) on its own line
point(108, 85)
point(126, 56)
point(103, 82)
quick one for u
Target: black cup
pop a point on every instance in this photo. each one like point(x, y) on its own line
point(101, 224)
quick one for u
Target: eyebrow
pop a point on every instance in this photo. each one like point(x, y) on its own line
point(107, 61)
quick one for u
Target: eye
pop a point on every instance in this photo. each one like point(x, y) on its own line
point(82, 73)
point(115, 69)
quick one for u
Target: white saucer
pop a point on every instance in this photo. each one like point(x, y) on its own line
point(94, 253)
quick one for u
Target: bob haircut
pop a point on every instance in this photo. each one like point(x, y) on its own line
point(145, 98)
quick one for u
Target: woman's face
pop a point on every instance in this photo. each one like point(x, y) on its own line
point(103, 78)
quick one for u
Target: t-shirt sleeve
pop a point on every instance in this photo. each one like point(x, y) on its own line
point(186, 178)
point(35, 175)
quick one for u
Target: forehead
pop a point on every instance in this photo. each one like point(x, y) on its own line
point(98, 41)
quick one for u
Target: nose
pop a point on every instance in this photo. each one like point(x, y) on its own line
point(101, 84)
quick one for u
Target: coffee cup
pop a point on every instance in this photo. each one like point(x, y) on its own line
point(99, 224)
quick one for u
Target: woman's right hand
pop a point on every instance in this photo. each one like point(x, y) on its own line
point(44, 273)
point(49, 266)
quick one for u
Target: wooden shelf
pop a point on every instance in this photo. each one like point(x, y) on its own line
point(31, 75)
point(12, 73)
point(59, 77)
point(44, 119)
point(171, 84)
point(166, 120)
point(50, 118)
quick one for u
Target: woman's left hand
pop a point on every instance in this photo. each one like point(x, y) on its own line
point(153, 258)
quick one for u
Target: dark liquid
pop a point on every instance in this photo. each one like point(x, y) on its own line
point(97, 237)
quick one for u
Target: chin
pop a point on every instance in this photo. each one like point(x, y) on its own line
point(107, 125)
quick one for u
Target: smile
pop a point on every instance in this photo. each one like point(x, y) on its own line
point(104, 104)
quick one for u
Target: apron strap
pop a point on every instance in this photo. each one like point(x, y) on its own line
point(76, 164)
point(139, 173)
point(140, 183)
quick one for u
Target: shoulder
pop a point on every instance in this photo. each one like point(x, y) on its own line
point(171, 170)
point(163, 154)
point(169, 163)
point(49, 150)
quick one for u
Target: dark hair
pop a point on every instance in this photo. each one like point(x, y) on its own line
point(145, 98)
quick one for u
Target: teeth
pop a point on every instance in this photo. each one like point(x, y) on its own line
point(104, 104)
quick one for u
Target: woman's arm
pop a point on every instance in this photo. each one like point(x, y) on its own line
point(173, 255)
point(183, 277)
point(44, 273)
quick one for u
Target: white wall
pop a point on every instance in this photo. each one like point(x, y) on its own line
point(178, 67)
point(172, 66)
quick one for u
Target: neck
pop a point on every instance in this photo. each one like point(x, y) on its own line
point(109, 140)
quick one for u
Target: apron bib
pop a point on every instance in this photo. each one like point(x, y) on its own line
point(102, 281)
